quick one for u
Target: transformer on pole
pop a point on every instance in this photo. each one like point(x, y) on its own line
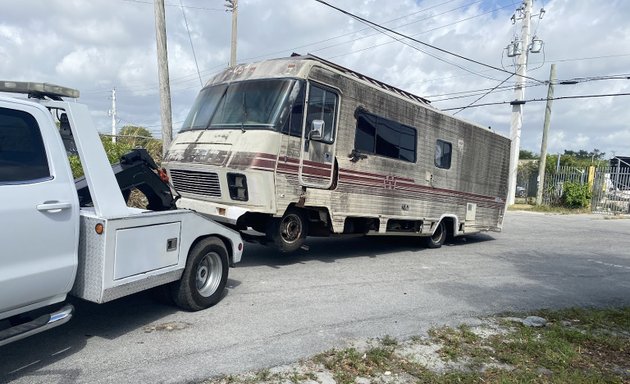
point(520, 48)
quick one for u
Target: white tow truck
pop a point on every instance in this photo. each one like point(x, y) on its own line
point(58, 237)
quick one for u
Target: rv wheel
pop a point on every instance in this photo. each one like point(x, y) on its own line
point(205, 276)
point(439, 236)
point(289, 231)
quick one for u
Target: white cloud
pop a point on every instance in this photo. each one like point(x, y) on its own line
point(97, 45)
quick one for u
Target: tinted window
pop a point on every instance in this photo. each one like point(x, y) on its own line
point(443, 151)
point(22, 153)
point(366, 133)
point(384, 137)
point(293, 125)
point(322, 105)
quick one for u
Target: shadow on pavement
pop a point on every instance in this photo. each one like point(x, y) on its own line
point(331, 249)
point(30, 356)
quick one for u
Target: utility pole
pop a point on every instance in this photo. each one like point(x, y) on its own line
point(524, 12)
point(558, 164)
point(543, 145)
point(113, 114)
point(232, 6)
point(165, 89)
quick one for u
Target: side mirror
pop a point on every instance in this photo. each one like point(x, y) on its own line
point(317, 130)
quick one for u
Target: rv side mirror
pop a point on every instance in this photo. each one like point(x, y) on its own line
point(317, 130)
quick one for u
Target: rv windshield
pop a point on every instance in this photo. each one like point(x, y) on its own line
point(252, 104)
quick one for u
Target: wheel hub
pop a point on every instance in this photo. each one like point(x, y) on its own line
point(291, 228)
point(208, 275)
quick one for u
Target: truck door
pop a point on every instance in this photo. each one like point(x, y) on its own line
point(317, 158)
point(39, 213)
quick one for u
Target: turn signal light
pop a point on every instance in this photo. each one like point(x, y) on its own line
point(163, 175)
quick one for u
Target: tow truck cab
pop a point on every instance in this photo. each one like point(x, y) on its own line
point(96, 247)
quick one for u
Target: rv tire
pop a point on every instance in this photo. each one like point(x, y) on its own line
point(205, 276)
point(289, 231)
point(436, 240)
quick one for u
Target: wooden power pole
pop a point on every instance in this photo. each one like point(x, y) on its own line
point(165, 89)
point(543, 145)
point(232, 5)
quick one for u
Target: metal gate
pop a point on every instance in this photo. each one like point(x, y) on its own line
point(611, 189)
point(554, 182)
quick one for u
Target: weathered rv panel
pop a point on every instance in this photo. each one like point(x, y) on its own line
point(301, 146)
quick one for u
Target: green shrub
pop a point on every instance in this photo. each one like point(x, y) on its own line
point(115, 150)
point(576, 195)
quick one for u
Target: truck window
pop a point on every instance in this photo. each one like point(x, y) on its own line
point(22, 153)
point(443, 151)
point(380, 136)
point(322, 105)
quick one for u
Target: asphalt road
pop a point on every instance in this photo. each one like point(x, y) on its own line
point(279, 309)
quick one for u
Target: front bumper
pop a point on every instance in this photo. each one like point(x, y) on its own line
point(222, 213)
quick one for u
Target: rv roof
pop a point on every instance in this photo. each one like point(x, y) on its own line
point(358, 75)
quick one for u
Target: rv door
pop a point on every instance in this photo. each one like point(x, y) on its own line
point(317, 158)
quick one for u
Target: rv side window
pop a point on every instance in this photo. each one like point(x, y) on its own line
point(22, 152)
point(384, 137)
point(443, 154)
point(322, 105)
point(293, 125)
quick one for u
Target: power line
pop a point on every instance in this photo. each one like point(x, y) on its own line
point(474, 92)
point(437, 57)
point(545, 99)
point(175, 5)
point(368, 22)
point(401, 40)
point(484, 95)
point(429, 30)
point(420, 33)
point(192, 47)
point(294, 49)
point(402, 25)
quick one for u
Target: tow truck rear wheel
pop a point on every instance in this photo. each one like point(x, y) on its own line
point(289, 231)
point(205, 276)
point(438, 238)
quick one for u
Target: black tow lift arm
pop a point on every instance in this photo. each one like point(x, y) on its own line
point(136, 170)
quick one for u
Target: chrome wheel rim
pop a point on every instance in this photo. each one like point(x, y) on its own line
point(291, 228)
point(208, 274)
point(437, 235)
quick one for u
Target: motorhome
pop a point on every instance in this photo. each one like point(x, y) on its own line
point(300, 146)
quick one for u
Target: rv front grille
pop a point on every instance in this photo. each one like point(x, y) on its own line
point(198, 183)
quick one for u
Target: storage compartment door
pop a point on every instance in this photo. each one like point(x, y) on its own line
point(144, 249)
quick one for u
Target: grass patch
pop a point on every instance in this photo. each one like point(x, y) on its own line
point(581, 346)
point(348, 364)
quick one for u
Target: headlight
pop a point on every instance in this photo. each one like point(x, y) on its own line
point(237, 184)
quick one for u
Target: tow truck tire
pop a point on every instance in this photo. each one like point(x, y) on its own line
point(289, 231)
point(438, 238)
point(205, 276)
